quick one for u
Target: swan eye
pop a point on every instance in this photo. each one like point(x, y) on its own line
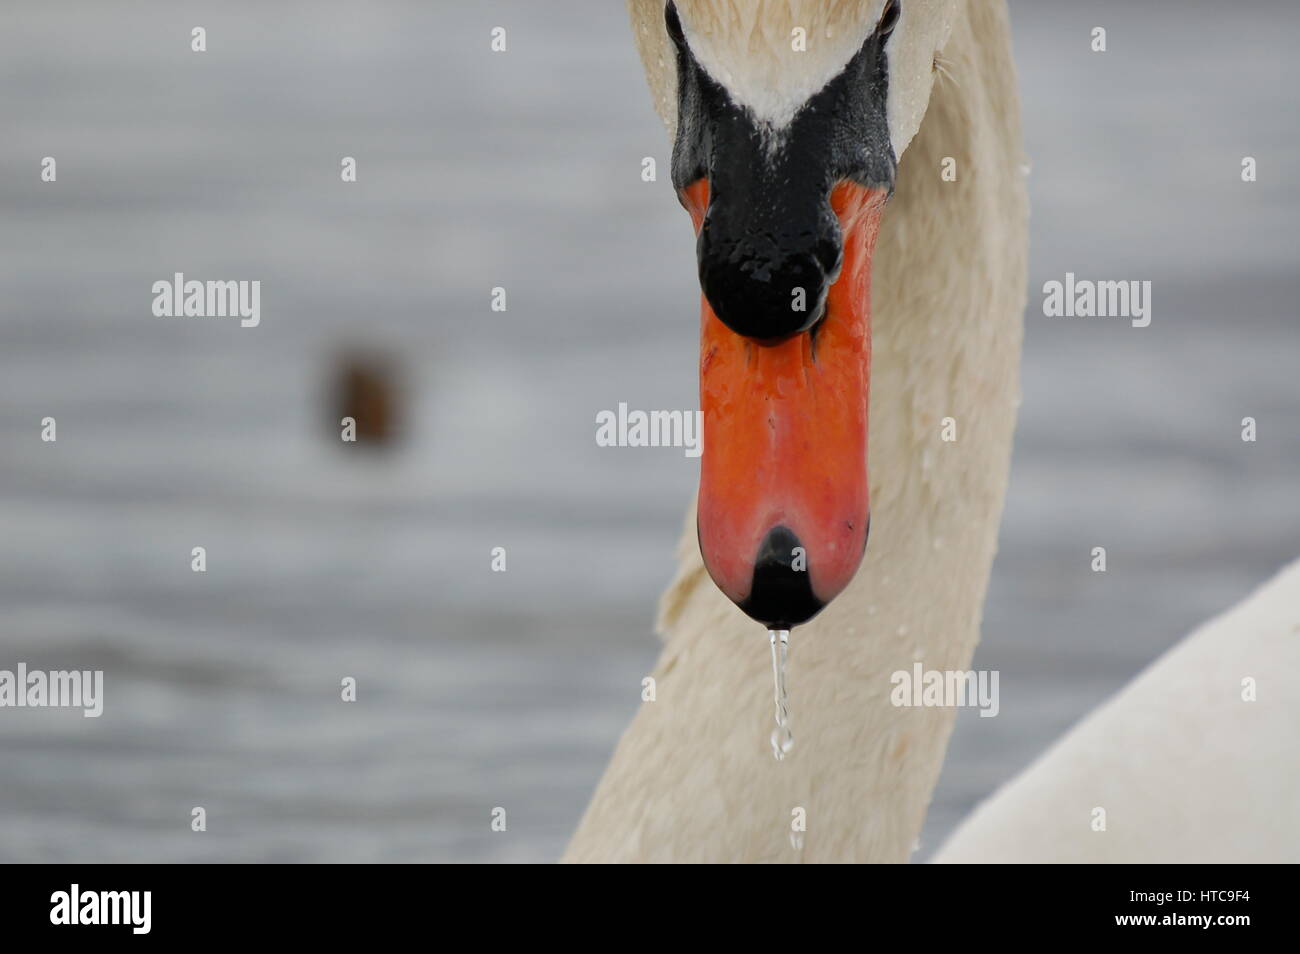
point(888, 19)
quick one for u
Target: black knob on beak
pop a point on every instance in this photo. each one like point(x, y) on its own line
point(770, 245)
point(766, 276)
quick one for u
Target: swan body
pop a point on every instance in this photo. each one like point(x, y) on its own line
point(1193, 761)
point(692, 779)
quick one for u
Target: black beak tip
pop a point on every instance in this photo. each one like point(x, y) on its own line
point(781, 595)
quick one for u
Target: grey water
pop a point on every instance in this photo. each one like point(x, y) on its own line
point(479, 689)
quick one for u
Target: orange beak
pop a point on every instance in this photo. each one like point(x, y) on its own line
point(783, 503)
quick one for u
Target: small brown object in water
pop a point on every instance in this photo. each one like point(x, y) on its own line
point(366, 390)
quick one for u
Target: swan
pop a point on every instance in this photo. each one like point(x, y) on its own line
point(1193, 762)
point(691, 779)
point(862, 158)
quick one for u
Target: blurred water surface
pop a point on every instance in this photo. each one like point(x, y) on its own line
point(481, 689)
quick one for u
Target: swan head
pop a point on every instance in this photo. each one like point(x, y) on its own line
point(787, 118)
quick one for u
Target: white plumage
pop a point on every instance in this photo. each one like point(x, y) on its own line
point(1193, 761)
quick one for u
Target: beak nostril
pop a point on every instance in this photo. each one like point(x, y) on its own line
point(814, 332)
point(833, 264)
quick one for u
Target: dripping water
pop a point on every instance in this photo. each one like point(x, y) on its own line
point(782, 737)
